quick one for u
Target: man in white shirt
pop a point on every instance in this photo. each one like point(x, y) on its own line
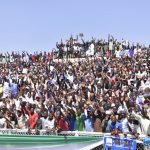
point(48, 122)
point(90, 51)
point(45, 121)
point(140, 100)
point(70, 77)
point(144, 121)
point(2, 121)
point(6, 88)
point(51, 122)
point(124, 122)
point(29, 98)
point(134, 125)
point(117, 53)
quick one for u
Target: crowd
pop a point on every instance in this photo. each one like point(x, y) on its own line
point(78, 47)
point(109, 92)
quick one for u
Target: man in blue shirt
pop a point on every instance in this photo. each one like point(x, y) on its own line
point(71, 119)
point(115, 124)
point(14, 89)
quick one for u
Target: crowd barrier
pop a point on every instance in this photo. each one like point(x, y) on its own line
point(99, 145)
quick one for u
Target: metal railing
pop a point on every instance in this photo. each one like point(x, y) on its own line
point(72, 133)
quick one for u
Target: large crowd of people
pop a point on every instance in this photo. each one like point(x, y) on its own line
point(107, 91)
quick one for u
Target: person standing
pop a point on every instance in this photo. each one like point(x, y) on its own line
point(33, 117)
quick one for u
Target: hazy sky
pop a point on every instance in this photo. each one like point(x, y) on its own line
point(38, 24)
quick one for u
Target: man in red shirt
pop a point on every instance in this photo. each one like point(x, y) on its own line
point(33, 117)
point(63, 124)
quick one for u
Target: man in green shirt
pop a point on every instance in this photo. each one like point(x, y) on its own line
point(80, 126)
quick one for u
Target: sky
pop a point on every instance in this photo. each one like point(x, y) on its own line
point(36, 25)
